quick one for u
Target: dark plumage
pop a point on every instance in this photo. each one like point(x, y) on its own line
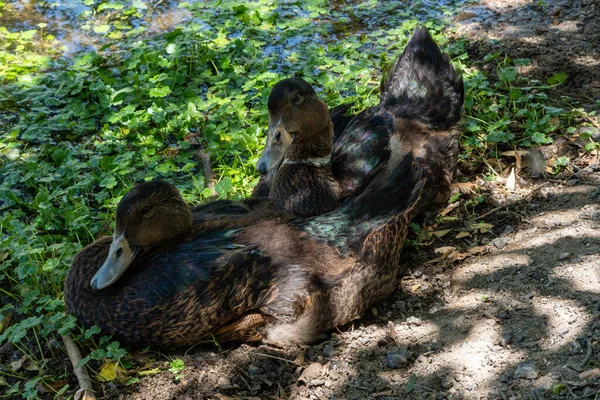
point(298, 151)
point(253, 276)
point(421, 102)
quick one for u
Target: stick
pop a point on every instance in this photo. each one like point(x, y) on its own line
point(209, 177)
point(87, 392)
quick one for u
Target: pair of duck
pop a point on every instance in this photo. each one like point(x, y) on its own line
point(342, 191)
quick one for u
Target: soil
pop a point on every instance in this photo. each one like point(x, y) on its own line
point(511, 310)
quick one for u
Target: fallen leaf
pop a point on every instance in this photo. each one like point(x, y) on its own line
point(16, 365)
point(444, 250)
point(416, 287)
point(482, 227)
point(470, 252)
point(110, 371)
point(411, 383)
point(511, 180)
point(589, 374)
point(441, 233)
point(51, 387)
point(462, 235)
point(152, 371)
point(449, 209)
point(300, 359)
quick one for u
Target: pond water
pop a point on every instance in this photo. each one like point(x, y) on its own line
point(84, 24)
point(80, 25)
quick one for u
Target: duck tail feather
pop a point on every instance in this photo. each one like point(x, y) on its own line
point(423, 85)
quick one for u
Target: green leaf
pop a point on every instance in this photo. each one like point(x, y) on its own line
point(557, 78)
point(160, 91)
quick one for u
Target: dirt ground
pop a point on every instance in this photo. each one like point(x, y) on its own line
point(509, 311)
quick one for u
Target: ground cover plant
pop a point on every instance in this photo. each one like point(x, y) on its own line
point(78, 129)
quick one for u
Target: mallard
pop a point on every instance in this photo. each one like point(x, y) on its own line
point(420, 100)
point(244, 278)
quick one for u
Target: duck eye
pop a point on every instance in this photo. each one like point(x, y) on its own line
point(146, 210)
point(297, 99)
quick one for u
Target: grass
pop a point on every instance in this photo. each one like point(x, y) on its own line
point(78, 131)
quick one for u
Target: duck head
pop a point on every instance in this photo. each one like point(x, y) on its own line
point(151, 215)
point(299, 126)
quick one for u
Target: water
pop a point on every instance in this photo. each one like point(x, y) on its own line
point(77, 26)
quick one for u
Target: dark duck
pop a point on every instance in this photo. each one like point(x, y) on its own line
point(299, 146)
point(420, 106)
point(252, 277)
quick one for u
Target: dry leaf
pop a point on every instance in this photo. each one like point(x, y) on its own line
point(482, 227)
point(51, 387)
point(441, 233)
point(511, 180)
point(110, 371)
point(444, 250)
point(462, 235)
point(16, 365)
point(589, 374)
point(449, 209)
point(300, 359)
point(416, 287)
point(151, 371)
point(470, 252)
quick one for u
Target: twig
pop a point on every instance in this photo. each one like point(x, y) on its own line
point(588, 354)
point(86, 392)
point(275, 357)
point(209, 177)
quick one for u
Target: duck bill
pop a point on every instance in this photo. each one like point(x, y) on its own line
point(120, 256)
point(278, 143)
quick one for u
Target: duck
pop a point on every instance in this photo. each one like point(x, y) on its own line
point(421, 100)
point(174, 276)
point(299, 146)
point(251, 277)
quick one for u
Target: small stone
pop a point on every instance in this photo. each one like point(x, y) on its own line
point(397, 357)
point(413, 321)
point(253, 370)
point(526, 370)
point(500, 242)
point(563, 256)
point(224, 382)
point(312, 372)
point(447, 382)
point(573, 182)
point(328, 350)
point(316, 382)
point(507, 230)
point(505, 339)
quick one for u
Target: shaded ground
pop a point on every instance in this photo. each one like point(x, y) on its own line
point(509, 313)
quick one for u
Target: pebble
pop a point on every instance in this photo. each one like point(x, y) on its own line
point(328, 350)
point(224, 382)
point(397, 357)
point(312, 372)
point(505, 340)
point(563, 256)
point(508, 229)
point(526, 370)
point(413, 321)
point(253, 370)
point(500, 242)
